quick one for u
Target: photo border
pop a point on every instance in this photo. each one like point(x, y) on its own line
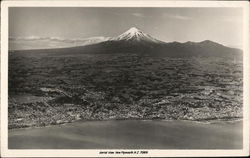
point(5, 152)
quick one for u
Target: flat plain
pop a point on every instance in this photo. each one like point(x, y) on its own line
point(48, 89)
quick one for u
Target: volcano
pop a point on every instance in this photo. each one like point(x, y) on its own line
point(136, 41)
point(135, 35)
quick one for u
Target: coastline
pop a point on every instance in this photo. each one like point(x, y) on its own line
point(204, 121)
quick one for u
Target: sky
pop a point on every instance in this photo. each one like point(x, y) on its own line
point(56, 27)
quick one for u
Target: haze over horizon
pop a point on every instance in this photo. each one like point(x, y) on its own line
point(63, 27)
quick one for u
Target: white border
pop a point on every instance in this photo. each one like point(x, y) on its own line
point(5, 152)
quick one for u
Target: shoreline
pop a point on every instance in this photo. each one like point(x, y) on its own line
point(203, 121)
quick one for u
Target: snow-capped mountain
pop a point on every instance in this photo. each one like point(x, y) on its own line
point(135, 35)
point(136, 42)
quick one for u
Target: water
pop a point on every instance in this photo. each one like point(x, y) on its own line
point(127, 134)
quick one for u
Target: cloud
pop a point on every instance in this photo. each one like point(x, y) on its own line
point(176, 16)
point(35, 38)
point(35, 42)
point(57, 39)
point(29, 38)
point(231, 19)
point(140, 15)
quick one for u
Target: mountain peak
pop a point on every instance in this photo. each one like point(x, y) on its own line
point(133, 30)
point(211, 43)
point(135, 35)
point(132, 33)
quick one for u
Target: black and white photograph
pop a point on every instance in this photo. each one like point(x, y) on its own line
point(125, 80)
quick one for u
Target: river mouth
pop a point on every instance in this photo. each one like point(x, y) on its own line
point(130, 134)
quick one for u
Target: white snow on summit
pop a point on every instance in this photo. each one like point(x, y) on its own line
point(134, 34)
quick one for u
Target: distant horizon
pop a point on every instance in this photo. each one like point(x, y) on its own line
point(31, 28)
point(81, 42)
